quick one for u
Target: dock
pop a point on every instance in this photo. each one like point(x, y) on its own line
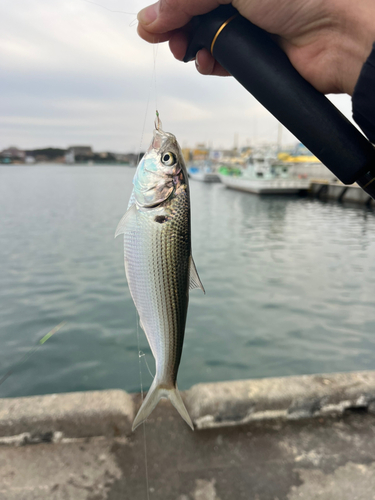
point(310, 437)
point(323, 189)
point(328, 190)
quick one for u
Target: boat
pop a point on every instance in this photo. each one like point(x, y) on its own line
point(266, 176)
point(203, 171)
point(266, 186)
point(299, 154)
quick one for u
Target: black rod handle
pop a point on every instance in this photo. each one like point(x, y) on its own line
point(258, 63)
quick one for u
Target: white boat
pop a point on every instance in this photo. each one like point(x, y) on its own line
point(266, 177)
point(266, 186)
point(203, 172)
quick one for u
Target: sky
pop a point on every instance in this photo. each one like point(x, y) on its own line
point(73, 72)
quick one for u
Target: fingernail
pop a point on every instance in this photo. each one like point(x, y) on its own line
point(149, 14)
point(197, 57)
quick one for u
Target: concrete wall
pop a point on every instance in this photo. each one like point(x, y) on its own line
point(340, 192)
point(110, 413)
point(310, 437)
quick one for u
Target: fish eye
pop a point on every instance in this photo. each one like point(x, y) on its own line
point(168, 159)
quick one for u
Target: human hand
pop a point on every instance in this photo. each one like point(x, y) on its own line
point(327, 41)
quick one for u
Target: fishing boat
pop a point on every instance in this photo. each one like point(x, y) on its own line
point(266, 186)
point(301, 163)
point(266, 177)
point(203, 171)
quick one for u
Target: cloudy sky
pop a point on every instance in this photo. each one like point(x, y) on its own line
point(74, 72)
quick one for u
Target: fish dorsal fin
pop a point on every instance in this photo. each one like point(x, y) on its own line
point(195, 281)
point(124, 221)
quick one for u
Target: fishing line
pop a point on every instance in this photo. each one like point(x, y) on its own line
point(110, 10)
point(152, 85)
point(140, 353)
point(132, 23)
point(144, 423)
point(143, 355)
point(155, 52)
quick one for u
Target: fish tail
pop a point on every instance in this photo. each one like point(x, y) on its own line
point(175, 398)
point(155, 393)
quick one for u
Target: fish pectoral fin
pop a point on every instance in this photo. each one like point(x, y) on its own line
point(125, 220)
point(195, 281)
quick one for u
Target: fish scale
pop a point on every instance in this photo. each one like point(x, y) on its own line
point(157, 281)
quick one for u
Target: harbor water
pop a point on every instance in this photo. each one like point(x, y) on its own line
point(290, 285)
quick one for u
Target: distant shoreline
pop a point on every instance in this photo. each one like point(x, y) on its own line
point(77, 164)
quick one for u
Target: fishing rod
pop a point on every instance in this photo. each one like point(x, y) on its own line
point(250, 55)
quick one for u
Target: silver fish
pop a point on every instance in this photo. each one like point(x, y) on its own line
point(158, 262)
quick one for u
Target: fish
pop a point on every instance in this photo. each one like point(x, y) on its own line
point(159, 266)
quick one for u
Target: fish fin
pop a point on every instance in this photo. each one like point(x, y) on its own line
point(175, 398)
point(122, 224)
point(132, 199)
point(155, 393)
point(195, 281)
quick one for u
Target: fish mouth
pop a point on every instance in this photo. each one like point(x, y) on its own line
point(161, 139)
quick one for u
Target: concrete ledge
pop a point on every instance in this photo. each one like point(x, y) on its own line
point(87, 451)
point(110, 413)
point(306, 396)
point(77, 414)
point(327, 190)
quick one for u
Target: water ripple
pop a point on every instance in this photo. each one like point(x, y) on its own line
point(290, 284)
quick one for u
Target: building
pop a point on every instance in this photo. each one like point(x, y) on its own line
point(78, 153)
point(12, 155)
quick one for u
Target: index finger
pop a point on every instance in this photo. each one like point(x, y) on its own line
point(166, 16)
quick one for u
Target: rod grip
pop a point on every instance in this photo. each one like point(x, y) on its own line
point(258, 63)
